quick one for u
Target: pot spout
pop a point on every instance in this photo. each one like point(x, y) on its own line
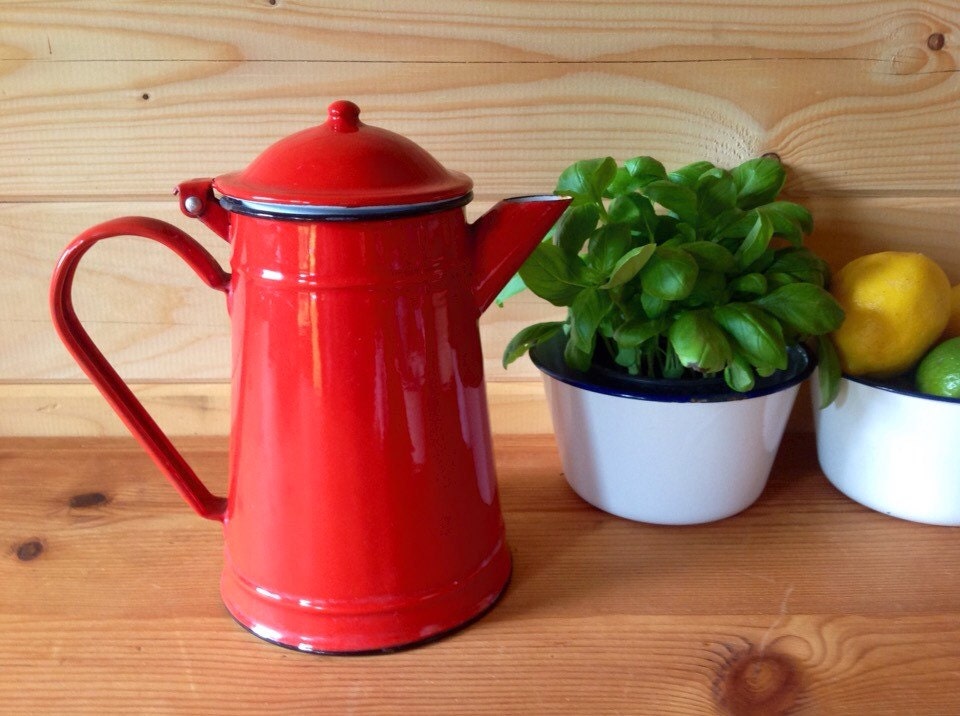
point(505, 236)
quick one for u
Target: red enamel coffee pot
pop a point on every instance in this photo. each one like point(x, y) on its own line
point(362, 510)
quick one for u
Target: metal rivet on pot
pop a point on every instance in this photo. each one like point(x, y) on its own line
point(193, 205)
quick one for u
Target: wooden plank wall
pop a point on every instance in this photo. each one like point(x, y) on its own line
point(105, 106)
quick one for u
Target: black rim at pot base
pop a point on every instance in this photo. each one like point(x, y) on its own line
point(607, 379)
point(390, 649)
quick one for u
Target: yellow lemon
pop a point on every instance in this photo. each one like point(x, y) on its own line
point(953, 325)
point(897, 305)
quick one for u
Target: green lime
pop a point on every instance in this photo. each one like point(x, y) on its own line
point(939, 371)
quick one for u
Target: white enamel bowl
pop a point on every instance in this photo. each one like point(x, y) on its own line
point(666, 460)
point(895, 451)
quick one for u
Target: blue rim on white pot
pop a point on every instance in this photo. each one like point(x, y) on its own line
point(666, 452)
point(892, 449)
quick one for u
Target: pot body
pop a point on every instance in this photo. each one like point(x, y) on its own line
point(892, 450)
point(362, 511)
point(671, 460)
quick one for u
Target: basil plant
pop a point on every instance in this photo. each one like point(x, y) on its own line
point(696, 272)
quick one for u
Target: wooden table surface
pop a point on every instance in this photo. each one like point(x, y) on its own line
point(806, 603)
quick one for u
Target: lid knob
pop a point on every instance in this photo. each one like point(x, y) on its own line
point(343, 116)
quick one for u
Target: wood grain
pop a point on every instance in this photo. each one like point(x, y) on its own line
point(78, 409)
point(804, 604)
point(99, 129)
point(469, 32)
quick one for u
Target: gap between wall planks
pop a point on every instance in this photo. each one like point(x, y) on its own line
point(103, 111)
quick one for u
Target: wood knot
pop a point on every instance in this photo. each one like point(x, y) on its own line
point(29, 550)
point(754, 684)
point(936, 41)
point(88, 499)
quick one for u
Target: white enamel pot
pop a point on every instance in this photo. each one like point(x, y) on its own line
point(652, 451)
point(892, 449)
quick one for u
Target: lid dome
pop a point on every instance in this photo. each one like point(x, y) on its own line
point(344, 163)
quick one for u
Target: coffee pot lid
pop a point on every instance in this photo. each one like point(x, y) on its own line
point(342, 164)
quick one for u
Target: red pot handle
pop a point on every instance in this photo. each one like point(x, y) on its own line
point(103, 375)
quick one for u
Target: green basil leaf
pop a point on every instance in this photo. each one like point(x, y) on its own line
point(828, 373)
point(685, 234)
point(586, 313)
point(666, 228)
point(621, 184)
point(670, 274)
point(644, 170)
point(609, 323)
point(711, 256)
point(529, 337)
point(724, 225)
point(624, 210)
point(627, 357)
point(763, 262)
point(709, 290)
point(587, 180)
point(758, 335)
point(514, 286)
point(629, 265)
point(752, 283)
point(654, 307)
point(555, 275)
point(681, 201)
point(755, 243)
point(607, 245)
point(576, 357)
point(638, 213)
point(802, 264)
point(775, 279)
point(575, 226)
point(738, 224)
point(758, 181)
point(635, 174)
point(792, 212)
point(687, 176)
point(699, 342)
point(783, 221)
point(672, 367)
point(739, 374)
point(638, 330)
point(805, 307)
point(716, 193)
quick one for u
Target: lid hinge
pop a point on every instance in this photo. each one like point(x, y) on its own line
point(197, 201)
